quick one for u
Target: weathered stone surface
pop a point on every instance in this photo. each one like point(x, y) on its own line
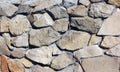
point(72, 68)
point(26, 62)
point(7, 9)
point(101, 10)
point(4, 67)
point(111, 25)
point(69, 3)
point(101, 64)
point(96, 0)
point(3, 47)
point(19, 24)
point(41, 20)
point(24, 9)
point(87, 24)
point(110, 41)
point(61, 25)
point(38, 68)
point(44, 54)
point(79, 10)
point(15, 65)
point(58, 12)
point(4, 24)
point(18, 52)
point(43, 36)
point(89, 51)
point(62, 61)
point(11, 1)
point(114, 2)
point(95, 40)
point(74, 40)
point(85, 2)
point(115, 51)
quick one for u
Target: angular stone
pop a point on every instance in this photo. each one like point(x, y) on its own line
point(62, 61)
point(15, 65)
point(26, 62)
point(101, 64)
point(41, 20)
point(110, 41)
point(114, 2)
point(19, 24)
point(101, 10)
point(38, 68)
point(4, 67)
point(74, 40)
point(20, 41)
point(24, 9)
point(3, 47)
point(7, 9)
point(4, 24)
point(96, 0)
point(111, 25)
point(61, 25)
point(58, 12)
point(43, 36)
point(11, 1)
point(89, 51)
point(79, 10)
point(43, 55)
point(69, 3)
point(85, 2)
point(115, 51)
point(87, 24)
point(95, 40)
point(18, 52)
point(72, 68)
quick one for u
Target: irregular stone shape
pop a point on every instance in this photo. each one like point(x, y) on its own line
point(43, 36)
point(26, 62)
point(62, 61)
point(4, 67)
point(41, 20)
point(95, 40)
point(61, 25)
point(110, 41)
point(111, 25)
point(72, 68)
point(43, 55)
point(69, 3)
point(79, 10)
point(96, 0)
point(85, 2)
point(87, 24)
point(15, 65)
point(74, 40)
point(38, 68)
point(19, 24)
point(7, 9)
point(114, 2)
point(58, 12)
point(20, 41)
point(101, 64)
point(101, 10)
point(89, 51)
point(18, 52)
point(11, 1)
point(3, 47)
point(115, 51)
point(4, 24)
point(24, 9)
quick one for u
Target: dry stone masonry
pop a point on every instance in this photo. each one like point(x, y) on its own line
point(59, 35)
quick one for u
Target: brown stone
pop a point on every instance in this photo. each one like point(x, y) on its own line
point(4, 67)
point(115, 2)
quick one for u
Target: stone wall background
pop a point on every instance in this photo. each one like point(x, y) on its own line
point(59, 36)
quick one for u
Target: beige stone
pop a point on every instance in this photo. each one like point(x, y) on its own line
point(114, 2)
point(26, 62)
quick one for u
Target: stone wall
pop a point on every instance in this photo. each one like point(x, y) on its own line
point(59, 36)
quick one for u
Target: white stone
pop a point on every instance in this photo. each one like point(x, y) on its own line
point(85, 2)
point(11, 1)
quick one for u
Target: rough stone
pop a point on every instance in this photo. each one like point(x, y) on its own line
point(85, 2)
point(58, 12)
point(89, 51)
point(111, 25)
point(74, 40)
point(11, 1)
point(42, 20)
point(7, 9)
point(62, 61)
point(43, 36)
point(69, 3)
point(101, 10)
point(4, 67)
point(61, 25)
point(26, 62)
point(24, 9)
point(87, 24)
point(79, 10)
point(15, 65)
point(114, 2)
point(101, 64)
point(19, 24)
point(96, 0)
